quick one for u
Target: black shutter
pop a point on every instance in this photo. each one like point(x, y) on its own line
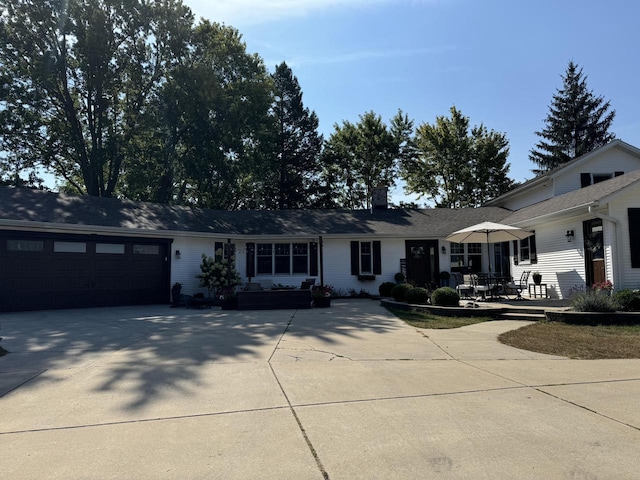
point(515, 252)
point(355, 258)
point(377, 258)
point(585, 180)
point(533, 251)
point(634, 236)
point(313, 259)
point(251, 264)
point(617, 174)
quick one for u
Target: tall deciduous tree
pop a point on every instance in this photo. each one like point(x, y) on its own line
point(359, 157)
point(456, 166)
point(76, 77)
point(208, 142)
point(297, 146)
point(578, 122)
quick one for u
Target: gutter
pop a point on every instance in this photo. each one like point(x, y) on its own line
point(616, 240)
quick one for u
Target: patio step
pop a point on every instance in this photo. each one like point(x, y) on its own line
point(530, 315)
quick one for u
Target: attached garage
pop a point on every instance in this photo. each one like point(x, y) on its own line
point(49, 270)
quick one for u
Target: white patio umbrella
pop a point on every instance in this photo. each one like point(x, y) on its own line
point(488, 232)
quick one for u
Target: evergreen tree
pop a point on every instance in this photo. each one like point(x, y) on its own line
point(578, 122)
point(456, 166)
point(294, 180)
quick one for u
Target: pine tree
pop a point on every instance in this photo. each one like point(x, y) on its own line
point(578, 122)
point(297, 145)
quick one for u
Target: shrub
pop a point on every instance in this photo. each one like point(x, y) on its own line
point(399, 292)
point(417, 295)
point(594, 301)
point(445, 297)
point(399, 277)
point(385, 289)
point(629, 300)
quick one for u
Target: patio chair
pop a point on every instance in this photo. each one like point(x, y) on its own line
point(483, 284)
point(464, 288)
point(518, 286)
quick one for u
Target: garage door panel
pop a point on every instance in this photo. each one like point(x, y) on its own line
point(63, 275)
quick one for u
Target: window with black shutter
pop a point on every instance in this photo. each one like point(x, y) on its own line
point(634, 236)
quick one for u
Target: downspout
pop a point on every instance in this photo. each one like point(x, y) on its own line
point(616, 241)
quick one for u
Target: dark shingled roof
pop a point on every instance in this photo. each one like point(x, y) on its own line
point(584, 196)
point(39, 206)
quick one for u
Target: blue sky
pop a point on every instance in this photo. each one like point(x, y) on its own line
point(497, 61)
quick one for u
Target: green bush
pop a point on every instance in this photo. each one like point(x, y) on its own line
point(399, 277)
point(445, 297)
point(385, 289)
point(399, 292)
point(417, 295)
point(594, 301)
point(629, 300)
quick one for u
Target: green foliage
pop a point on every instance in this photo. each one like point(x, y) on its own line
point(77, 77)
point(399, 292)
point(445, 297)
point(207, 133)
point(218, 274)
point(456, 166)
point(417, 295)
point(293, 180)
point(629, 300)
point(594, 301)
point(577, 123)
point(385, 289)
point(359, 157)
point(399, 277)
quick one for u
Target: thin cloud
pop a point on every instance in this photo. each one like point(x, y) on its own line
point(242, 12)
point(362, 55)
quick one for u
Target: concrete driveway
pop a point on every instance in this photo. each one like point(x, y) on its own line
point(348, 392)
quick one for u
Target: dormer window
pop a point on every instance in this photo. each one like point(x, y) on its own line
point(587, 179)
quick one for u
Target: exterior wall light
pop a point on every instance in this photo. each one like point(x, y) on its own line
point(178, 254)
point(570, 235)
point(444, 250)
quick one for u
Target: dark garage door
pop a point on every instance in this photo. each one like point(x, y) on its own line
point(65, 271)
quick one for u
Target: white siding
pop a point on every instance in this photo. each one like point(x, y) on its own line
point(185, 268)
point(613, 160)
point(535, 195)
point(561, 263)
point(628, 277)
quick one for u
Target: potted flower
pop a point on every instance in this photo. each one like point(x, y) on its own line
point(399, 277)
point(604, 287)
point(537, 277)
point(444, 278)
point(321, 296)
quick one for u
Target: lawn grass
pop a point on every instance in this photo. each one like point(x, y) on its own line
point(426, 320)
point(577, 341)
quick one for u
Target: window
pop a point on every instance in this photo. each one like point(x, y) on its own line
point(112, 248)
point(70, 247)
point(587, 179)
point(264, 258)
point(146, 249)
point(466, 257)
point(634, 236)
point(366, 258)
point(525, 250)
point(282, 258)
point(300, 257)
point(25, 245)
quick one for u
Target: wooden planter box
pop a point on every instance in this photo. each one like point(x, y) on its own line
point(274, 299)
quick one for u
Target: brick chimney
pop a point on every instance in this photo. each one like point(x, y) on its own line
point(379, 198)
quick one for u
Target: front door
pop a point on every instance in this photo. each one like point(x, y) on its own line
point(594, 251)
point(422, 262)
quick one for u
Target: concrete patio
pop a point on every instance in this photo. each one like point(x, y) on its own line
point(347, 392)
